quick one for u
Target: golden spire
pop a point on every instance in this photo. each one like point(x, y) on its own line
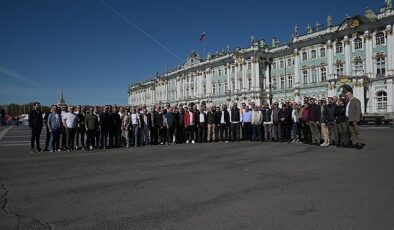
point(62, 102)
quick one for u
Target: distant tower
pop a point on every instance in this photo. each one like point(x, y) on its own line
point(62, 102)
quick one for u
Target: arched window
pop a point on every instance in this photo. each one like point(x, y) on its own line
point(380, 39)
point(241, 85)
point(322, 52)
point(219, 89)
point(381, 99)
point(281, 64)
point(249, 65)
point(313, 54)
point(232, 85)
point(232, 69)
point(213, 89)
point(358, 43)
point(380, 65)
point(249, 83)
point(205, 90)
point(339, 48)
point(359, 67)
point(289, 62)
point(304, 56)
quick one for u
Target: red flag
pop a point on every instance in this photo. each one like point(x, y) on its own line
point(202, 36)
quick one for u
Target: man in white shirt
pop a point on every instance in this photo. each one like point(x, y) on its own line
point(70, 123)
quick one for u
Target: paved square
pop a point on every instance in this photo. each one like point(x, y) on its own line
point(201, 186)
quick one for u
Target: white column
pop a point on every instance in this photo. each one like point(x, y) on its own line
point(209, 81)
point(390, 51)
point(252, 73)
point(228, 77)
point(257, 74)
point(296, 67)
point(390, 95)
point(330, 60)
point(348, 63)
point(368, 55)
point(178, 88)
point(244, 79)
point(267, 77)
point(236, 77)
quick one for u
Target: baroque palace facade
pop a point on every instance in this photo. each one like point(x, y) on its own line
point(357, 55)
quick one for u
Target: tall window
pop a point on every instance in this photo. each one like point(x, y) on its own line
point(225, 71)
point(323, 72)
point(219, 89)
point(282, 82)
point(339, 69)
point(249, 83)
point(305, 76)
point(290, 82)
point(381, 98)
point(313, 54)
point(241, 85)
point(240, 67)
point(322, 52)
point(219, 72)
point(232, 85)
point(304, 56)
point(359, 67)
point(213, 89)
point(314, 75)
point(281, 64)
point(213, 73)
point(380, 39)
point(204, 90)
point(339, 48)
point(380, 65)
point(358, 43)
point(226, 86)
point(232, 69)
point(289, 62)
point(249, 65)
point(274, 65)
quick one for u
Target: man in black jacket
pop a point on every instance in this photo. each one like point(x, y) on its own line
point(81, 129)
point(105, 123)
point(35, 123)
point(329, 113)
point(235, 115)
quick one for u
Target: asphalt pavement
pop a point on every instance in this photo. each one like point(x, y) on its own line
point(200, 186)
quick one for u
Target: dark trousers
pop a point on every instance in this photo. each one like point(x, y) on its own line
point(54, 143)
point(223, 132)
point(247, 129)
point(256, 132)
point(113, 137)
point(285, 134)
point(80, 136)
point(306, 132)
point(70, 133)
point(47, 138)
point(191, 132)
point(103, 138)
point(180, 134)
point(235, 128)
point(153, 135)
point(91, 138)
point(202, 132)
point(35, 137)
point(64, 137)
point(170, 135)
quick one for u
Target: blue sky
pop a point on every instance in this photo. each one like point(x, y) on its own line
point(92, 53)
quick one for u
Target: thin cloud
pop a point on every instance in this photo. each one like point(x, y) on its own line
point(14, 74)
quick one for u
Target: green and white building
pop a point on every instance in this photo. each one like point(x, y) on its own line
point(357, 54)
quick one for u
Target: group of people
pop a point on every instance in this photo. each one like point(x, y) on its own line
point(324, 123)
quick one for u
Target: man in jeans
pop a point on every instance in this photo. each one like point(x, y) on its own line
point(331, 123)
point(55, 128)
point(70, 123)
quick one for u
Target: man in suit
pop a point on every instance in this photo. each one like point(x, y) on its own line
point(36, 122)
point(353, 114)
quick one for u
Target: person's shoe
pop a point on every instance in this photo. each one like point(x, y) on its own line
point(32, 151)
point(359, 147)
point(59, 150)
point(187, 142)
point(226, 141)
point(51, 151)
point(38, 150)
point(193, 142)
